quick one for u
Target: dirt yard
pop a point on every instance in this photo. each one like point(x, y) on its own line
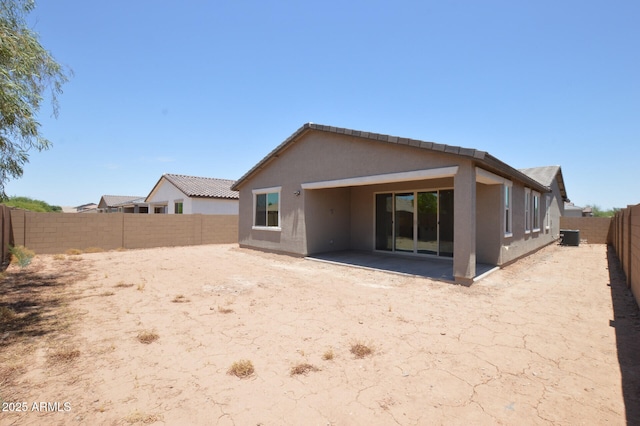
point(151, 337)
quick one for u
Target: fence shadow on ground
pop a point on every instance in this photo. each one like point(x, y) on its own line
point(627, 326)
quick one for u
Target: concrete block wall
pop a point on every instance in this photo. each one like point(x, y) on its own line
point(626, 242)
point(50, 233)
point(595, 230)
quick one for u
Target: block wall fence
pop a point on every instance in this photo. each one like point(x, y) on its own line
point(51, 233)
point(593, 230)
point(625, 230)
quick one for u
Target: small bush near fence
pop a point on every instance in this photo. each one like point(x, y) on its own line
point(21, 255)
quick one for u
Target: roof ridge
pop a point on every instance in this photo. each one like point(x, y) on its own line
point(197, 177)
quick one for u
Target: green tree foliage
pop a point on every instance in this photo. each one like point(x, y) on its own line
point(27, 73)
point(27, 203)
point(598, 212)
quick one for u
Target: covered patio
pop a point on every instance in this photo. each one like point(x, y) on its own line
point(419, 266)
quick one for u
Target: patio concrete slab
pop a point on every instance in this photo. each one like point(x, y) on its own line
point(427, 267)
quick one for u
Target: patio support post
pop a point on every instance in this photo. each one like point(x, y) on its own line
point(464, 231)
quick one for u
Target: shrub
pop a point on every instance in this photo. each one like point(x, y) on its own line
point(21, 255)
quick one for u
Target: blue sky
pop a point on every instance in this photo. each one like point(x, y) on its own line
point(209, 88)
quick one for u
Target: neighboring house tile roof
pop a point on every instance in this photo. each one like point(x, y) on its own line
point(487, 160)
point(545, 175)
point(139, 200)
point(200, 187)
point(114, 200)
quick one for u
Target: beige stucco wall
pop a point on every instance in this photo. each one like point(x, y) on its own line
point(320, 220)
point(489, 223)
point(521, 242)
point(317, 157)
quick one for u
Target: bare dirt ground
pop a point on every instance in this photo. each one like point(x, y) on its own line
point(534, 343)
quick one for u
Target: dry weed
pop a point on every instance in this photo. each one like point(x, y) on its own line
point(73, 252)
point(361, 350)
point(242, 369)
point(328, 355)
point(122, 284)
point(141, 286)
point(138, 417)
point(147, 337)
point(180, 298)
point(94, 250)
point(303, 368)
point(59, 257)
point(225, 310)
point(386, 402)
point(64, 354)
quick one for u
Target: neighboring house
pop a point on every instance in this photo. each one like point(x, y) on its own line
point(87, 208)
point(328, 189)
point(571, 210)
point(137, 205)
point(180, 194)
point(121, 203)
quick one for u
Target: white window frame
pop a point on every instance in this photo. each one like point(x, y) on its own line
point(547, 219)
point(180, 201)
point(535, 211)
point(507, 194)
point(163, 206)
point(527, 210)
point(272, 190)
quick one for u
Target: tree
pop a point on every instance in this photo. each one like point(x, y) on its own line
point(27, 72)
point(596, 211)
point(30, 204)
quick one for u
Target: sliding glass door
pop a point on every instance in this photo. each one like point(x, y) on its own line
point(384, 222)
point(403, 212)
point(415, 222)
point(428, 222)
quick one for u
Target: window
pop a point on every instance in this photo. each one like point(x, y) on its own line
point(177, 207)
point(508, 214)
point(536, 211)
point(159, 209)
point(266, 204)
point(527, 210)
point(547, 220)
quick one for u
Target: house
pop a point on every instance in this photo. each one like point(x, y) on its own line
point(86, 208)
point(136, 205)
point(329, 189)
point(121, 203)
point(180, 194)
point(571, 210)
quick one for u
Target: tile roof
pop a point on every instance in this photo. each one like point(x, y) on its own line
point(545, 175)
point(113, 200)
point(139, 200)
point(481, 157)
point(194, 186)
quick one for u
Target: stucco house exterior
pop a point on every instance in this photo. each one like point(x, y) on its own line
point(181, 194)
point(328, 189)
point(122, 204)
